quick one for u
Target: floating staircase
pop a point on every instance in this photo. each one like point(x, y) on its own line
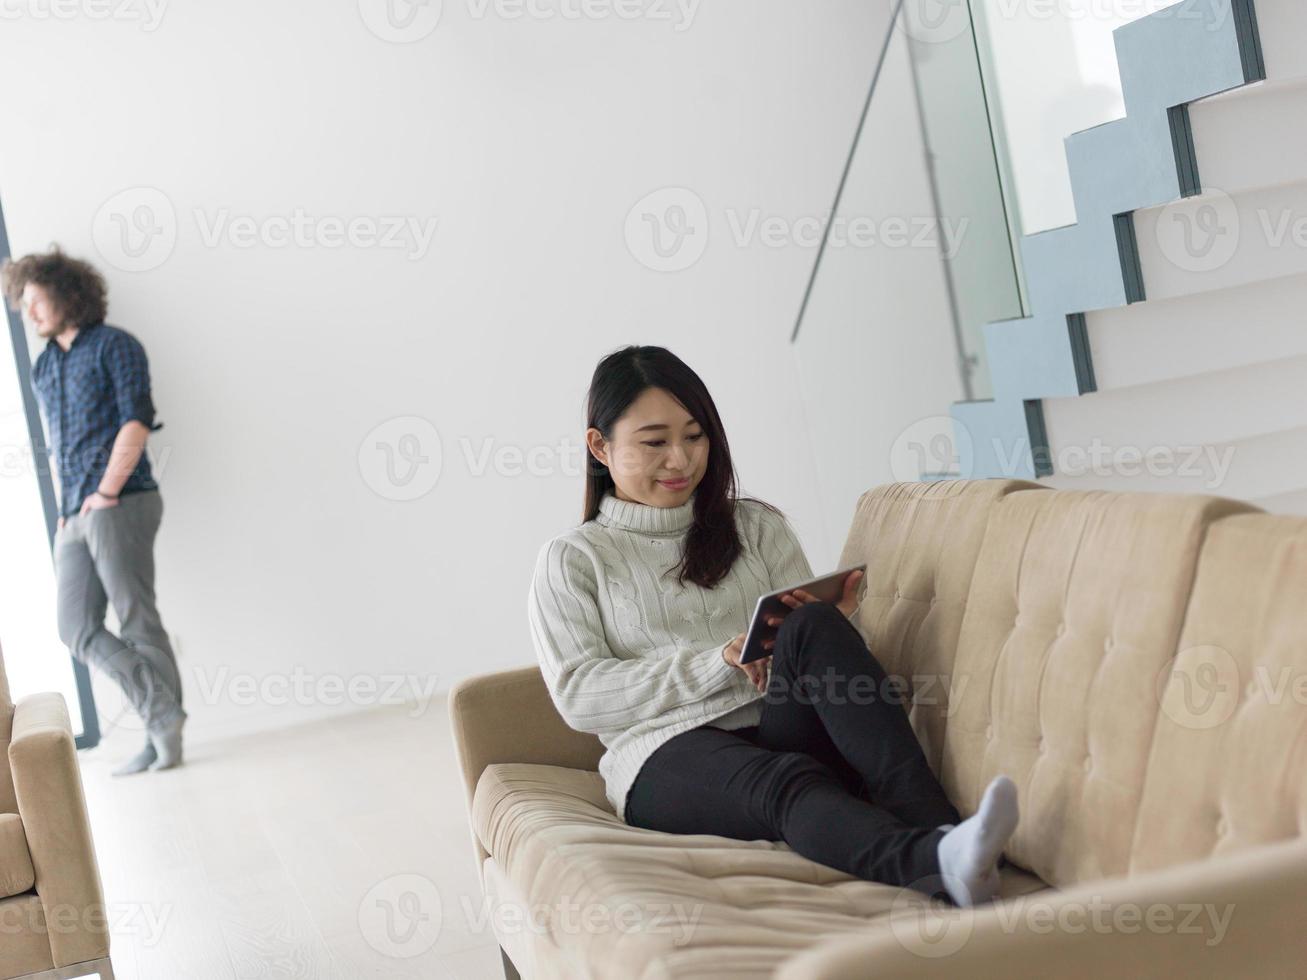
point(1167, 348)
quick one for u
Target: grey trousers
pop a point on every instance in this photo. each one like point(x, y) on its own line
point(106, 557)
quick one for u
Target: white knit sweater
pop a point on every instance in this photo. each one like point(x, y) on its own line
point(632, 656)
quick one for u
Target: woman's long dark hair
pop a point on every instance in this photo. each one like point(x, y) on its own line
point(712, 543)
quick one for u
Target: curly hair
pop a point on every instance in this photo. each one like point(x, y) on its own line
point(76, 288)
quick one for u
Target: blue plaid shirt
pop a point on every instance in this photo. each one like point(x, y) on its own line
point(87, 394)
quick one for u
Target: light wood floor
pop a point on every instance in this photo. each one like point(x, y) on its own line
point(316, 852)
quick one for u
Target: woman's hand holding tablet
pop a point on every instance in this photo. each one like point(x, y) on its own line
point(757, 670)
point(839, 588)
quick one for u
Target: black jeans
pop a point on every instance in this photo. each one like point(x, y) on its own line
point(833, 769)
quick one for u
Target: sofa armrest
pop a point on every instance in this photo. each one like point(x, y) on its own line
point(1239, 914)
point(509, 717)
point(48, 784)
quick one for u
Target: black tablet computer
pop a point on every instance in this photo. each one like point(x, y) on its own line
point(828, 588)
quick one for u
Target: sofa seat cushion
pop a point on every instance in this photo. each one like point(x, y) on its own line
point(16, 873)
point(623, 900)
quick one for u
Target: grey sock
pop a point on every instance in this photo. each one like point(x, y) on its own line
point(969, 853)
point(167, 744)
point(140, 762)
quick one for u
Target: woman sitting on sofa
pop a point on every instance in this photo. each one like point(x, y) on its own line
point(636, 616)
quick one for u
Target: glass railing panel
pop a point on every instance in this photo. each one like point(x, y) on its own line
point(979, 252)
point(1050, 70)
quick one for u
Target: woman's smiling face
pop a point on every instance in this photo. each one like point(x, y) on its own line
point(657, 453)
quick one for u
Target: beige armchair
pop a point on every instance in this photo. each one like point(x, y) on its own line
point(53, 921)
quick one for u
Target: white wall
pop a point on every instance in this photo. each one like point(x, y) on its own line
point(529, 140)
point(876, 349)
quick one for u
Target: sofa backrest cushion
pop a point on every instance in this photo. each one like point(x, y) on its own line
point(920, 542)
point(1228, 762)
point(1076, 604)
point(8, 801)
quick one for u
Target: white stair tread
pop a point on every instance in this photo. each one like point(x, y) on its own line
point(1282, 25)
point(1269, 470)
point(1218, 407)
point(1214, 241)
point(1159, 340)
point(1251, 137)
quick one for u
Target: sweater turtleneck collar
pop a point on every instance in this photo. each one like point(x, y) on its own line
point(645, 518)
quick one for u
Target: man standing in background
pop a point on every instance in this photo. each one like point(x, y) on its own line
point(93, 383)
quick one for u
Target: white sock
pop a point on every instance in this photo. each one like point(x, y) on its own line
point(969, 853)
point(167, 744)
point(139, 762)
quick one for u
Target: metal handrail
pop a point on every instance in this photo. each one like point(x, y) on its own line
point(848, 166)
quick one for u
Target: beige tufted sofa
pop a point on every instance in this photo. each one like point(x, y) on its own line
point(53, 922)
point(1136, 662)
